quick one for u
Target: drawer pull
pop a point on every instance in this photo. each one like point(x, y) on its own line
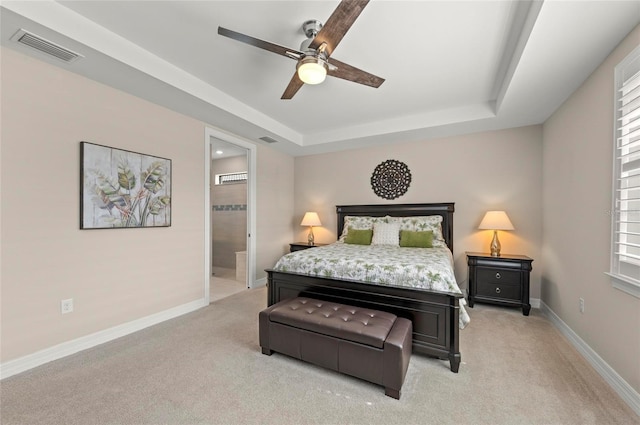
point(497, 290)
point(498, 276)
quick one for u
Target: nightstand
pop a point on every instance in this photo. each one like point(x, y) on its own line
point(500, 280)
point(299, 246)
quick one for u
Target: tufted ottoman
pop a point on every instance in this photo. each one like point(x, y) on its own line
point(368, 344)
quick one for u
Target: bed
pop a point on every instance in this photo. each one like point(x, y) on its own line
point(435, 313)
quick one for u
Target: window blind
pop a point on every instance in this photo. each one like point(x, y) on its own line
point(625, 258)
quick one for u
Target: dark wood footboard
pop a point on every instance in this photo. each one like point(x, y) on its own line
point(434, 315)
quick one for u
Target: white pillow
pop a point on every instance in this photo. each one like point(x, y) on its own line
point(386, 234)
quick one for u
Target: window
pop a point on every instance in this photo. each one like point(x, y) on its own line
point(625, 250)
point(240, 177)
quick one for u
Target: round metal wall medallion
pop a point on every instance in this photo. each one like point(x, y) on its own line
point(391, 179)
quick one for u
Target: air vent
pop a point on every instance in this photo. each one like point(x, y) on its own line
point(268, 139)
point(45, 46)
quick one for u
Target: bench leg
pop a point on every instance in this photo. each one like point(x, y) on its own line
point(267, 351)
point(392, 393)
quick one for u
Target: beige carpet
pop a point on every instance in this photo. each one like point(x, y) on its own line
point(206, 368)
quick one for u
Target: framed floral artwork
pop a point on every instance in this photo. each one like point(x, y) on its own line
point(123, 189)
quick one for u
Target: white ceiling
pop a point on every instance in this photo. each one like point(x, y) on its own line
point(451, 67)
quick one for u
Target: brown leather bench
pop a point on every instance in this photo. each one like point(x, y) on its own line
point(368, 344)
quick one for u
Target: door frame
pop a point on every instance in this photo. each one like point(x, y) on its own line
point(251, 204)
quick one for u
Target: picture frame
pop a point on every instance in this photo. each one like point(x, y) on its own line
point(123, 189)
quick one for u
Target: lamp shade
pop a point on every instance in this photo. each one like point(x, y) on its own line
point(496, 220)
point(311, 219)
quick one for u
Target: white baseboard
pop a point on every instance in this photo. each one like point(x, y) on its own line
point(619, 385)
point(64, 349)
point(535, 302)
point(260, 282)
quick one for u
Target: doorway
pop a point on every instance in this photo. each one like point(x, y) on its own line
point(230, 215)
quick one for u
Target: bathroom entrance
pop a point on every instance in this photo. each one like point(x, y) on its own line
point(229, 218)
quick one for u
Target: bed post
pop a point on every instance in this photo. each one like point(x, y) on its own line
point(271, 299)
point(454, 350)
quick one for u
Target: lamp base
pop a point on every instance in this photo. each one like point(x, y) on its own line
point(495, 245)
point(310, 238)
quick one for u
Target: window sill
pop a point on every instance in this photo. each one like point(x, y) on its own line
point(625, 285)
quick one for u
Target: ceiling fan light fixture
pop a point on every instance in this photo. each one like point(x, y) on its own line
point(312, 70)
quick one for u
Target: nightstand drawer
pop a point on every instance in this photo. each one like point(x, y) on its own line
point(499, 290)
point(498, 277)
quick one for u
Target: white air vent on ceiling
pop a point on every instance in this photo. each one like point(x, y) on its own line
point(268, 139)
point(45, 46)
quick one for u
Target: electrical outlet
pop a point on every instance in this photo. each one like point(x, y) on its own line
point(581, 305)
point(66, 306)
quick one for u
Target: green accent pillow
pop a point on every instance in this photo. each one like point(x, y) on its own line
point(359, 237)
point(409, 239)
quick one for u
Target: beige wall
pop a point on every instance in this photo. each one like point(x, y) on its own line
point(114, 276)
point(479, 172)
point(275, 175)
point(577, 158)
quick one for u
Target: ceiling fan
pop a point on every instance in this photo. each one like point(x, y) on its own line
point(313, 57)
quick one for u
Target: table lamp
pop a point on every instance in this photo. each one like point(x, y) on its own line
point(495, 220)
point(311, 219)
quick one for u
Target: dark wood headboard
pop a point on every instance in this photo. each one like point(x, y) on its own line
point(402, 210)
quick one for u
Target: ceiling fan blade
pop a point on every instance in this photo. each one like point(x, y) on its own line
point(293, 87)
point(351, 73)
point(274, 48)
point(338, 24)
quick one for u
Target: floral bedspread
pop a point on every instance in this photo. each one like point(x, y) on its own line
point(423, 268)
